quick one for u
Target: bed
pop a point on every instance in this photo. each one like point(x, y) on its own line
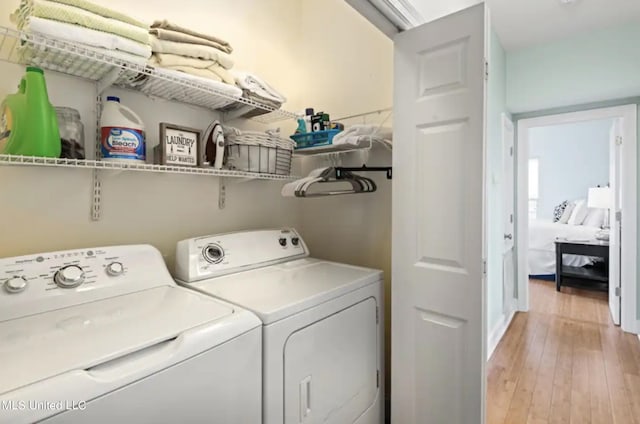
point(542, 253)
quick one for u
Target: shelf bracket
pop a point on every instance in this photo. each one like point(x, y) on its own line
point(237, 113)
point(96, 197)
point(222, 193)
point(108, 79)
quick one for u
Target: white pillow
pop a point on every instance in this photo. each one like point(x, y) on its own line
point(567, 213)
point(579, 213)
point(595, 218)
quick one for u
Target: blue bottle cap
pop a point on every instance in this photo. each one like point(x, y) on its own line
point(113, 99)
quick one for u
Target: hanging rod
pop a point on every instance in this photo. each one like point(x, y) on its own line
point(364, 168)
point(358, 115)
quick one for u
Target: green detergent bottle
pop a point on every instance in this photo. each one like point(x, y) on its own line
point(28, 122)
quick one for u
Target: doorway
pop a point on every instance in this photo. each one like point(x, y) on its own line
point(622, 252)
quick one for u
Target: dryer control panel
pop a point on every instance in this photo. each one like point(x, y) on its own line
point(212, 256)
point(46, 281)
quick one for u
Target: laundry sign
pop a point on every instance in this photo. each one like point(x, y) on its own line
point(178, 145)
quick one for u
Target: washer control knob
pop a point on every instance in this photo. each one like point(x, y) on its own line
point(213, 253)
point(15, 284)
point(115, 269)
point(282, 241)
point(69, 277)
point(295, 241)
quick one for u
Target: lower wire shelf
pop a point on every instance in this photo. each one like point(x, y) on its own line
point(13, 160)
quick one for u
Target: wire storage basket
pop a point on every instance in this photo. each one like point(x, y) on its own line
point(260, 152)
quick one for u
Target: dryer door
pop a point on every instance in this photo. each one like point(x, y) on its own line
point(331, 367)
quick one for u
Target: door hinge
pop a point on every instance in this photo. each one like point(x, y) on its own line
point(617, 291)
point(510, 151)
point(377, 315)
point(619, 140)
point(511, 219)
point(486, 70)
point(377, 378)
point(619, 216)
point(484, 267)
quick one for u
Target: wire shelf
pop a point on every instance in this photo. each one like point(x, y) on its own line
point(109, 68)
point(331, 149)
point(140, 167)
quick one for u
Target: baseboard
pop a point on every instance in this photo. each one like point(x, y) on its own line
point(497, 332)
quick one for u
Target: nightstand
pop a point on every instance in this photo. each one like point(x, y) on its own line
point(596, 277)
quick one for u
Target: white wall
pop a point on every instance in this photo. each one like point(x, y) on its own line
point(350, 69)
point(572, 158)
point(598, 66)
point(46, 209)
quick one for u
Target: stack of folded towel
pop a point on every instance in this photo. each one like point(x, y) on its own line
point(364, 135)
point(258, 90)
point(80, 21)
point(181, 49)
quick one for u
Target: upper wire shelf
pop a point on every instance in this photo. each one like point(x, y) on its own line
point(106, 69)
point(330, 149)
point(133, 166)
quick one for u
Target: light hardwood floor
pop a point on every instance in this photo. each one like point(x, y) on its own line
point(564, 362)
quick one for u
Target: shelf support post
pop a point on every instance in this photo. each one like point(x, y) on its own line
point(96, 183)
point(222, 193)
point(96, 199)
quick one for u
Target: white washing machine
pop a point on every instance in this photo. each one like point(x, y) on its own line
point(105, 335)
point(323, 328)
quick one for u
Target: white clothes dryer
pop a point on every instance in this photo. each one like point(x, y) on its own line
point(104, 335)
point(322, 322)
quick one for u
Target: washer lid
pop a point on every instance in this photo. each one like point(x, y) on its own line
point(40, 346)
point(278, 291)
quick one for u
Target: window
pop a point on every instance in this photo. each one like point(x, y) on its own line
point(534, 187)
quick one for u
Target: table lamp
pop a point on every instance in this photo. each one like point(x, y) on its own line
point(601, 197)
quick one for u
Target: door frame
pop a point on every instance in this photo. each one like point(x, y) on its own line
point(629, 256)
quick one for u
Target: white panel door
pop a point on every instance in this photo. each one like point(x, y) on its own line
point(438, 279)
point(508, 178)
point(615, 180)
point(508, 196)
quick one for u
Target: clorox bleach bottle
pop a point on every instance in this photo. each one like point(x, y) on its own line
point(122, 133)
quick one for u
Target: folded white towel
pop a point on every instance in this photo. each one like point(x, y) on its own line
point(197, 51)
point(362, 135)
point(76, 16)
point(75, 33)
point(193, 66)
point(257, 86)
